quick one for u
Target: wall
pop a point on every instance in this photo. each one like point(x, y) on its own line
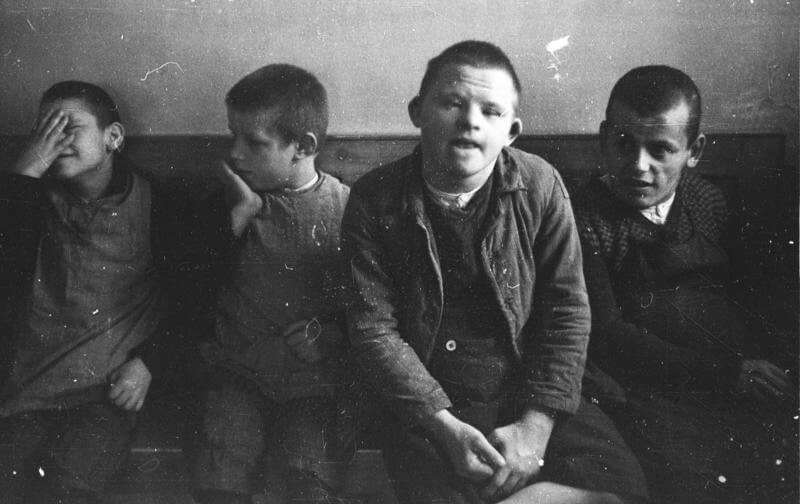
point(170, 62)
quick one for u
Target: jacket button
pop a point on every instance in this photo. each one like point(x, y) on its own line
point(450, 345)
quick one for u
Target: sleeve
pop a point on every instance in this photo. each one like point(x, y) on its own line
point(386, 363)
point(555, 353)
point(206, 241)
point(20, 217)
point(20, 228)
point(634, 355)
point(187, 241)
point(158, 351)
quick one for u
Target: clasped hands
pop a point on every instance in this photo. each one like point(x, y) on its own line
point(503, 462)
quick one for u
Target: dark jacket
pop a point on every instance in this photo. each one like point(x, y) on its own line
point(530, 252)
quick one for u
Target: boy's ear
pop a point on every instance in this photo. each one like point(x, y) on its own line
point(414, 110)
point(696, 150)
point(514, 131)
point(115, 136)
point(306, 146)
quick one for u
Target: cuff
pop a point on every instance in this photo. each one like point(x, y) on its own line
point(21, 187)
point(414, 415)
point(150, 353)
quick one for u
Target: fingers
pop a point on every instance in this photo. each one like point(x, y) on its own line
point(765, 387)
point(128, 396)
point(498, 481)
point(476, 470)
point(229, 178)
point(64, 142)
point(513, 484)
point(116, 392)
point(44, 122)
point(488, 453)
point(759, 395)
point(776, 377)
point(119, 394)
point(765, 381)
point(130, 402)
point(129, 385)
point(482, 460)
point(55, 126)
point(224, 172)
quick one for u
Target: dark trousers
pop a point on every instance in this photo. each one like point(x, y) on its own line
point(585, 450)
point(64, 456)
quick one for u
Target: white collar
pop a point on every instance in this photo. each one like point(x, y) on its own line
point(307, 185)
point(657, 214)
point(450, 200)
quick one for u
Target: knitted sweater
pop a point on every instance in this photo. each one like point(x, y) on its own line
point(660, 316)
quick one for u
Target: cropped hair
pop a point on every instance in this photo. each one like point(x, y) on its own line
point(475, 53)
point(96, 99)
point(654, 89)
point(295, 94)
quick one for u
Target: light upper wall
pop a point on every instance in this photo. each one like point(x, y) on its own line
point(169, 63)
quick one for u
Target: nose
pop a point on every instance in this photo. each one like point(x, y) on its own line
point(470, 116)
point(236, 149)
point(641, 160)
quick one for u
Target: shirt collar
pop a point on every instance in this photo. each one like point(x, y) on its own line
point(450, 200)
point(304, 187)
point(657, 214)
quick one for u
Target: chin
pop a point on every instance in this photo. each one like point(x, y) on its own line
point(635, 199)
point(61, 172)
point(463, 169)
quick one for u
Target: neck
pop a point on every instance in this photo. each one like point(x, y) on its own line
point(93, 184)
point(439, 179)
point(305, 171)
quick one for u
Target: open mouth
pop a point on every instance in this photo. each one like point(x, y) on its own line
point(634, 183)
point(464, 143)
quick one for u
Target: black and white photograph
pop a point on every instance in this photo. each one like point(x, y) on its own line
point(399, 252)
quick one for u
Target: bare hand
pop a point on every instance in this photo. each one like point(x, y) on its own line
point(522, 444)
point(243, 203)
point(763, 380)
point(310, 341)
point(470, 453)
point(47, 142)
point(129, 385)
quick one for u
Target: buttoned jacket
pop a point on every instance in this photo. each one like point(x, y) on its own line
point(530, 252)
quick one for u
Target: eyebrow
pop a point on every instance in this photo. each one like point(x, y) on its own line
point(491, 103)
point(663, 142)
